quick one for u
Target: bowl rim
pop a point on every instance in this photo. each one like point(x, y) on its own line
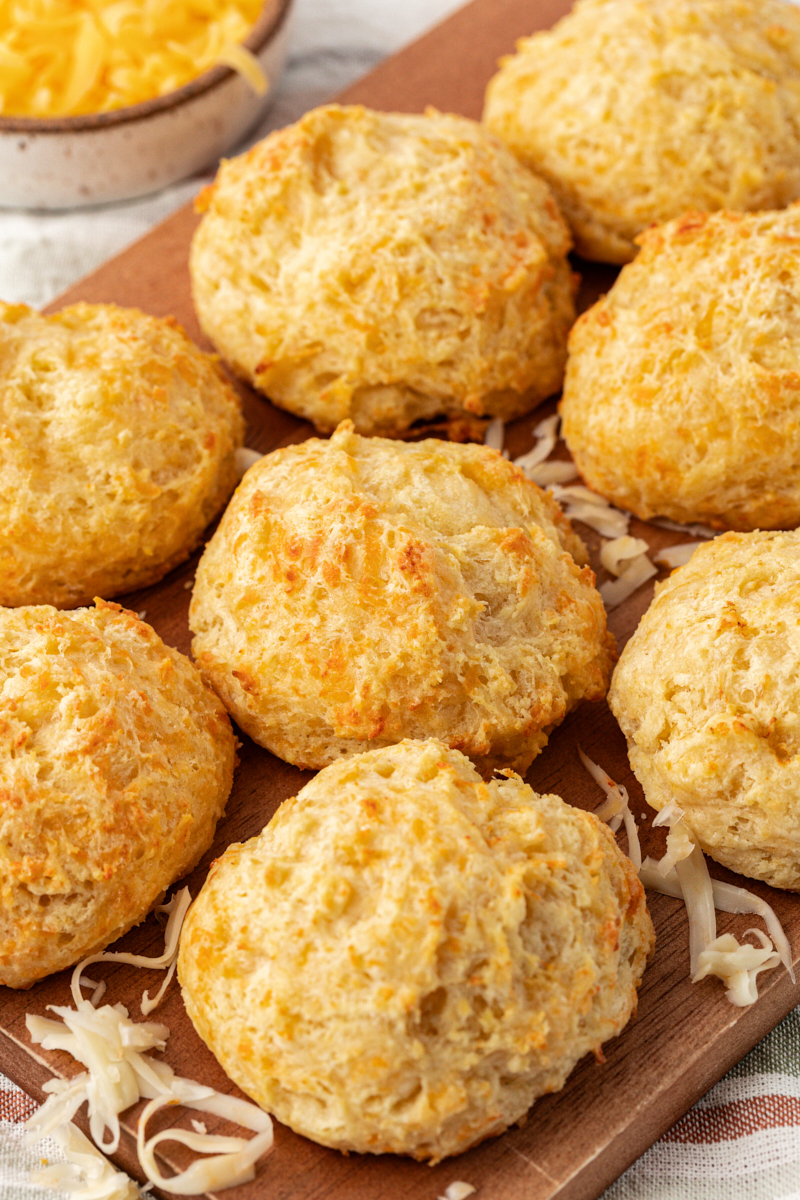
point(271, 18)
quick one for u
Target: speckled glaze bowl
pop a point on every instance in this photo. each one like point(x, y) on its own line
point(67, 162)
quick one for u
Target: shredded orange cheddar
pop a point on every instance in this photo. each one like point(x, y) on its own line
point(65, 57)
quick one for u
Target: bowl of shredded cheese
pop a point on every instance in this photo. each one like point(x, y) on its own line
point(104, 100)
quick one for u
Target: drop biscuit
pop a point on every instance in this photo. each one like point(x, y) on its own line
point(407, 957)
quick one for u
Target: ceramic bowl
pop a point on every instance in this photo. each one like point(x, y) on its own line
point(66, 162)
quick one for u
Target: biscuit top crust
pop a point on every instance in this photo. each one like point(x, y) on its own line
point(682, 392)
point(117, 447)
point(115, 764)
point(361, 590)
point(385, 267)
point(708, 695)
point(635, 110)
point(407, 957)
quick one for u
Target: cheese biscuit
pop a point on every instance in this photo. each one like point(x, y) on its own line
point(391, 269)
point(363, 590)
point(407, 957)
point(707, 694)
point(117, 447)
point(637, 110)
point(115, 765)
point(682, 394)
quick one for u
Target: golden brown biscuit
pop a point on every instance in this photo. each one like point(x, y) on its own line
point(117, 447)
point(386, 268)
point(406, 957)
point(682, 394)
point(115, 765)
point(361, 590)
point(708, 696)
point(636, 110)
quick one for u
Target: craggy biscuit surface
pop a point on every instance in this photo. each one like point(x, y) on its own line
point(388, 268)
point(116, 762)
point(407, 957)
point(682, 394)
point(362, 590)
point(636, 110)
point(117, 447)
point(708, 696)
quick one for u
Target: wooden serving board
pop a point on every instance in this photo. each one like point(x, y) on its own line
point(684, 1037)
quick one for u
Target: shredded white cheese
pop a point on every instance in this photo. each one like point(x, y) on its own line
point(245, 458)
point(676, 556)
point(458, 1190)
point(176, 910)
point(680, 842)
point(698, 896)
point(582, 504)
point(546, 434)
point(701, 531)
point(548, 473)
point(533, 463)
point(232, 1159)
point(737, 965)
point(87, 1173)
point(120, 1072)
point(683, 873)
point(732, 899)
point(619, 551)
point(495, 433)
point(637, 571)
point(616, 809)
point(626, 557)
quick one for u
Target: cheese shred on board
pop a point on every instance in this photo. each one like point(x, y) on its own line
point(119, 1073)
point(87, 1174)
point(625, 557)
point(68, 57)
point(533, 463)
point(683, 873)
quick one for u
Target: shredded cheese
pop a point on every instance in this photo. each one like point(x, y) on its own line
point(233, 1158)
point(120, 1072)
point(637, 572)
point(87, 1173)
point(676, 556)
point(683, 873)
point(495, 433)
point(240, 59)
point(548, 473)
point(619, 551)
point(698, 896)
point(245, 459)
point(176, 910)
point(701, 531)
point(626, 557)
point(616, 807)
point(680, 843)
point(737, 965)
point(458, 1190)
point(546, 434)
point(67, 57)
point(533, 463)
point(732, 899)
point(582, 504)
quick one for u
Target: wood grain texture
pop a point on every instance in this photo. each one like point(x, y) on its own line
point(683, 1039)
